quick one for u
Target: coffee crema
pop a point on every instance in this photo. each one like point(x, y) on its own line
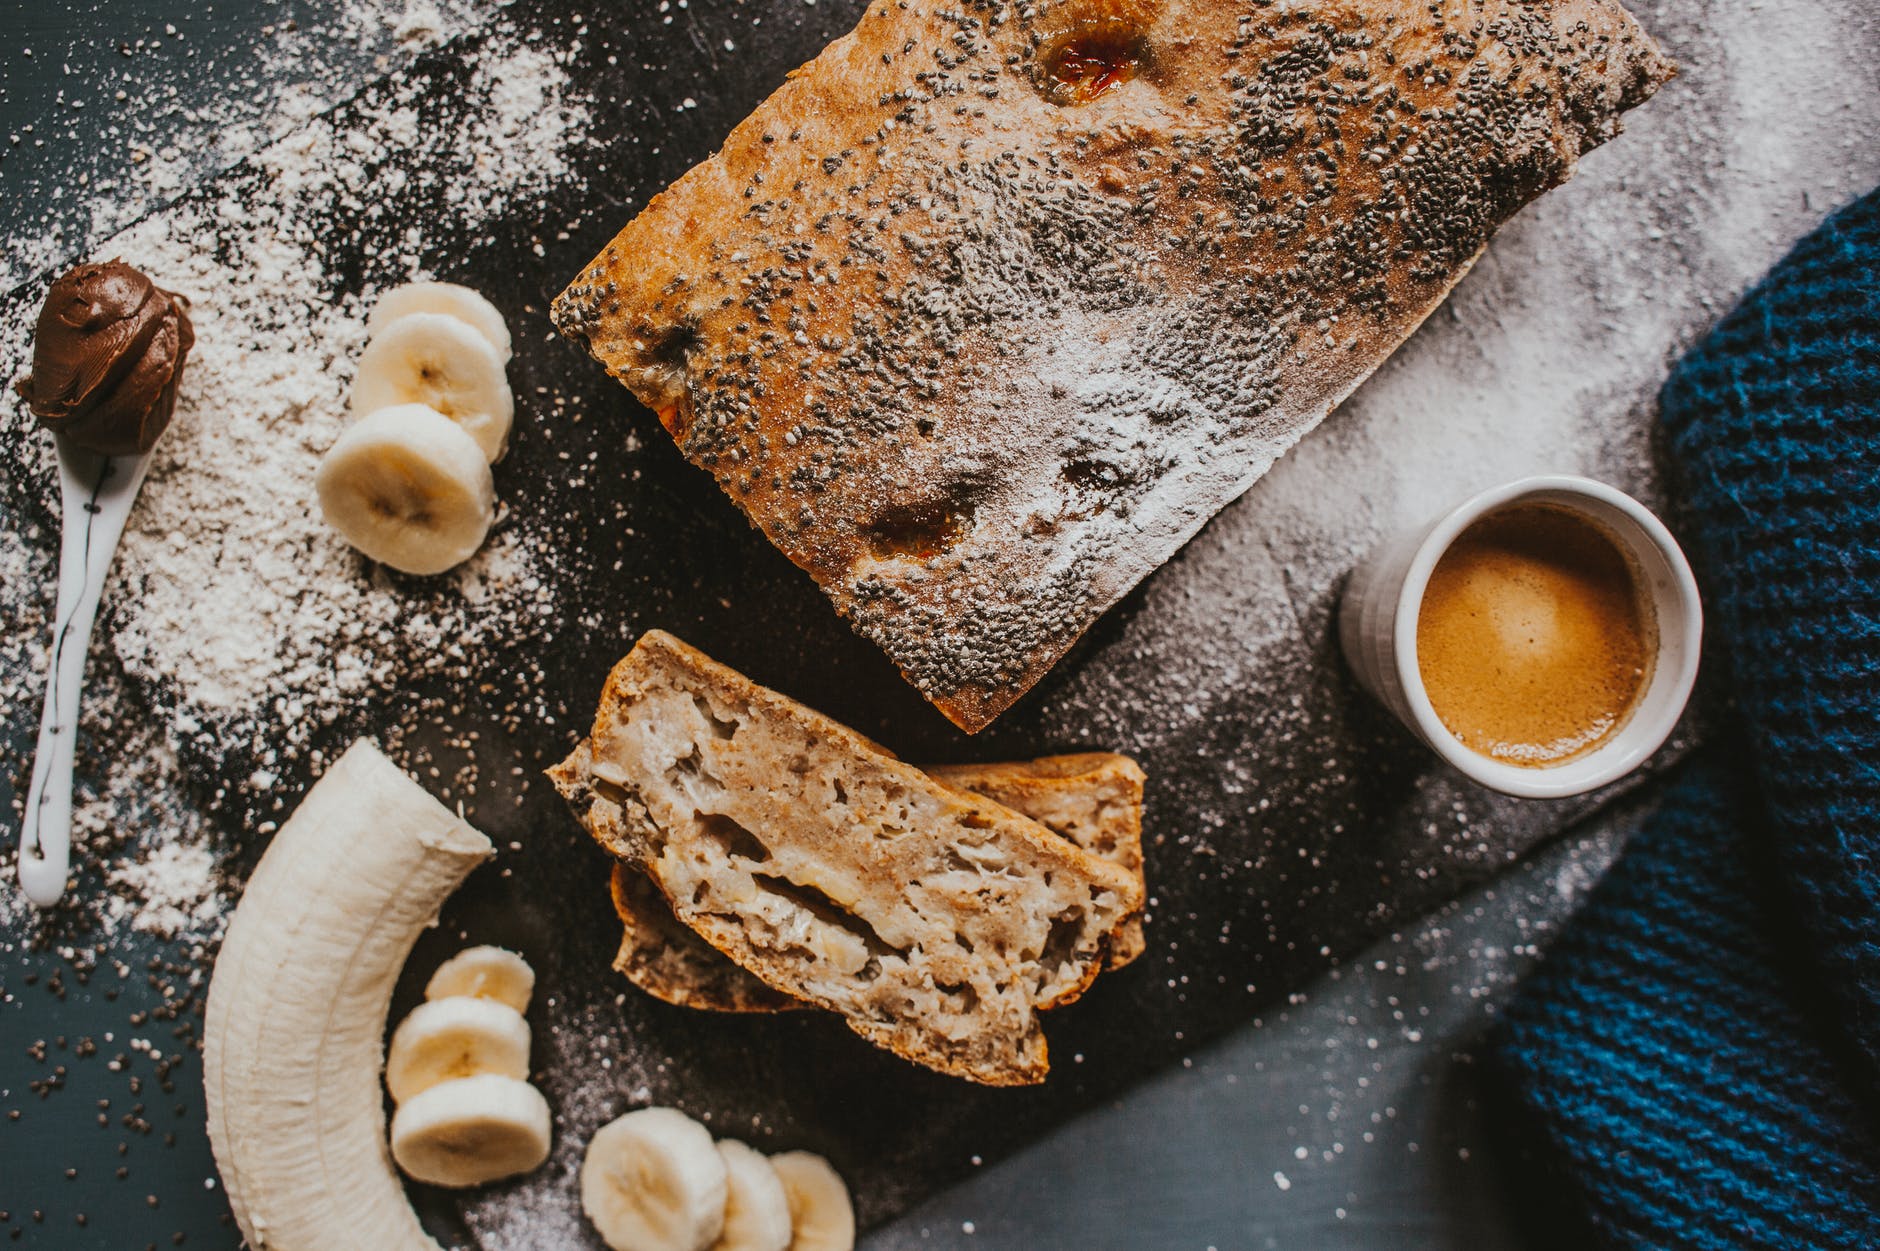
point(1535, 638)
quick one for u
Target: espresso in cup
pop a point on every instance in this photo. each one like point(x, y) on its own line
point(1534, 639)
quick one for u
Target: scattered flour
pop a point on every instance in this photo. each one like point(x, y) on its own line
point(171, 892)
point(230, 587)
point(157, 856)
point(1546, 358)
point(121, 133)
point(230, 594)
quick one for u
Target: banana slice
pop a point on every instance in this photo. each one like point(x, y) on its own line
point(447, 298)
point(408, 487)
point(436, 360)
point(471, 1131)
point(484, 973)
point(296, 1018)
point(446, 1039)
point(821, 1216)
point(653, 1181)
point(757, 1212)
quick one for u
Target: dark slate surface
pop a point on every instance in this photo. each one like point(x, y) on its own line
point(1291, 822)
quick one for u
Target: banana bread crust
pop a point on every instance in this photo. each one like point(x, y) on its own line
point(672, 964)
point(938, 924)
point(987, 309)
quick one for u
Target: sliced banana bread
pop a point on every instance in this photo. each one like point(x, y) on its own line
point(935, 922)
point(1094, 799)
point(671, 963)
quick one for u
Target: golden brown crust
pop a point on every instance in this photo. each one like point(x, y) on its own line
point(979, 356)
point(937, 923)
point(674, 965)
point(1094, 799)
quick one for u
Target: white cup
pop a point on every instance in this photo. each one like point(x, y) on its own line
point(1377, 626)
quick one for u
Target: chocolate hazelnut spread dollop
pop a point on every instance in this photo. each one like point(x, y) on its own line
point(108, 353)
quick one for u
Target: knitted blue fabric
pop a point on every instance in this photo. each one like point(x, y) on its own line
point(1700, 1051)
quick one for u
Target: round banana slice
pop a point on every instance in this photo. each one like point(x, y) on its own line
point(446, 1039)
point(484, 973)
point(653, 1181)
point(821, 1216)
point(449, 299)
point(757, 1212)
point(471, 1131)
point(436, 360)
point(408, 487)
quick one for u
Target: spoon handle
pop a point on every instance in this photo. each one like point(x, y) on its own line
point(96, 496)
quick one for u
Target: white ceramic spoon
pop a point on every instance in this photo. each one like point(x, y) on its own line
point(96, 494)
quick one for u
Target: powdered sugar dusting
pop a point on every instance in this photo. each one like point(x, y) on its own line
point(231, 597)
point(230, 587)
point(1545, 358)
point(133, 145)
point(178, 889)
point(591, 1074)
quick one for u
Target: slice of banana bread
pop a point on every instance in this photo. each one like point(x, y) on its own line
point(935, 922)
point(672, 964)
point(1094, 799)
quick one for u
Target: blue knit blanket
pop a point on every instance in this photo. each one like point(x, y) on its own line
point(1700, 1052)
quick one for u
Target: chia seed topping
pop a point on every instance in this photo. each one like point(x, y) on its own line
point(979, 349)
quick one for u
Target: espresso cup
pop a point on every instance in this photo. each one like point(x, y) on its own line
point(1382, 605)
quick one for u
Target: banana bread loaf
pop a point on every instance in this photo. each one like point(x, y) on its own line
point(936, 923)
point(1094, 799)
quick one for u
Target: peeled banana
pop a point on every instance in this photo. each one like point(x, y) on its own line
point(409, 483)
point(409, 488)
point(471, 1131)
point(297, 1005)
point(441, 362)
point(653, 1181)
point(447, 298)
point(821, 1216)
point(456, 1037)
point(484, 973)
point(757, 1211)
